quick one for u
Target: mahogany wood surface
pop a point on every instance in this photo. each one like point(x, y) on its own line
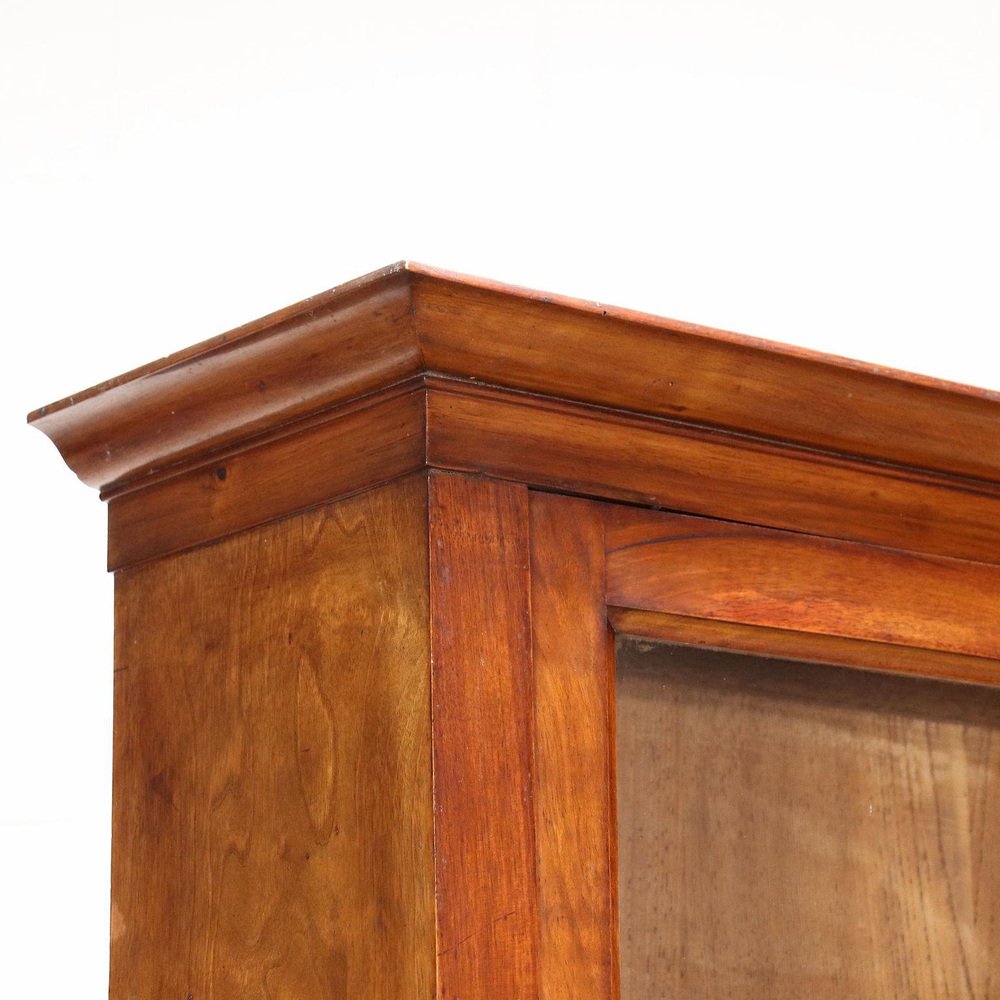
point(408, 320)
point(574, 725)
point(484, 843)
point(689, 931)
point(620, 358)
point(375, 440)
point(566, 447)
point(443, 423)
point(272, 762)
point(295, 363)
point(734, 572)
point(791, 831)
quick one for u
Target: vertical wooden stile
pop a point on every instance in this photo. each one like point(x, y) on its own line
point(483, 740)
point(573, 668)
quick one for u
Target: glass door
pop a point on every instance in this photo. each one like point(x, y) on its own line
point(795, 831)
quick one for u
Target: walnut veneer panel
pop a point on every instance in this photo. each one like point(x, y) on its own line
point(272, 805)
point(789, 831)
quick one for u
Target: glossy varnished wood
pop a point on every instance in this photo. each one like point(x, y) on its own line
point(297, 362)
point(574, 725)
point(740, 573)
point(444, 423)
point(484, 838)
point(620, 358)
point(563, 446)
point(375, 440)
point(408, 320)
point(272, 785)
point(791, 831)
point(587, 556)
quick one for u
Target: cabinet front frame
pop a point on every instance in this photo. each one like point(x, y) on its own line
point(600, 569)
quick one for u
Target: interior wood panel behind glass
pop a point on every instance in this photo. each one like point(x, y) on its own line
point(791, 831)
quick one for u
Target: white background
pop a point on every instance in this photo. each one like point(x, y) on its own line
point(825, 174)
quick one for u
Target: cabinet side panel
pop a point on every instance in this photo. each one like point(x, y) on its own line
point(272, 797)
point(482, 709)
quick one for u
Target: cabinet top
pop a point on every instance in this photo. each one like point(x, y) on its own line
point(409, 322)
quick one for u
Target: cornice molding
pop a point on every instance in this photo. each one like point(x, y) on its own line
point(289, 366)
point(408, 320)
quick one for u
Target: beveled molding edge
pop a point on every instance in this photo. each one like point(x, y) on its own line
point(803, 647)
point(408, 320)
point(457, 425)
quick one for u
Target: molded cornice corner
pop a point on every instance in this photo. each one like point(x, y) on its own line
point(295, 363)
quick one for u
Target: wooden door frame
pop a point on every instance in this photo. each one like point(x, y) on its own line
point(600, 569)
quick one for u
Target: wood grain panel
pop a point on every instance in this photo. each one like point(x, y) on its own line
point(487, 893)
point(372, 441)
point(272, 797)
point(791, 831)
point(573, 661)
point(734, 572)
point(596, 452)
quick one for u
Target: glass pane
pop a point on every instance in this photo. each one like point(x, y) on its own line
point(790, 831)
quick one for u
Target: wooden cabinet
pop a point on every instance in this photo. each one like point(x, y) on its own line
point(476, 644)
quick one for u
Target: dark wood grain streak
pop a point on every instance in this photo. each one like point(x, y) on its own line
point(596, 452)
point(685, 565)
point(487, 892)
point(272, 763)
point(572, 656)
point(379, 438)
